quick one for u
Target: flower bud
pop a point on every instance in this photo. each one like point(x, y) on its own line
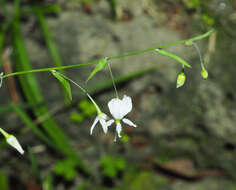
point(180, 80)
point(11, 140)
point(204, 74)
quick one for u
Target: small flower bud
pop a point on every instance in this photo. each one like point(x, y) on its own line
point(204, 74)
point(180, 80)
point(11, 140)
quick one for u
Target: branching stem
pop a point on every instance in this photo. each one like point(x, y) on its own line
point(199, 37)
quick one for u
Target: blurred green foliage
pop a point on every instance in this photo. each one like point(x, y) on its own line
point(112, 165)
point(140, 180)
point(87, 109)
point(191, 4)
point(66, 168)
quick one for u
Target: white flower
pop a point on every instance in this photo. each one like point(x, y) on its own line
point(120, 108)
point(11, 140)
point(101, 117)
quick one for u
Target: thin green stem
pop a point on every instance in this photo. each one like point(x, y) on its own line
point(199, 54)
point(112, 57)
point(113, 82)
point(48, 69)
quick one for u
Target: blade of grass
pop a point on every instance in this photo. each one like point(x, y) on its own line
point(32, 125)
point(3, 30)
point(45, 9)
point(2, 39)
point(47, 183)
point(48, 38)
point(32, 91)
point(34, 166)
point(50, 44)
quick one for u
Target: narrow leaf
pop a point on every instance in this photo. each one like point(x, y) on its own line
point(65, 84)
point(102, 63)
point(28, 121)
point(173, 56)
point(48, 183)
point(32, 91)
point(3, 181)
point(34, 166)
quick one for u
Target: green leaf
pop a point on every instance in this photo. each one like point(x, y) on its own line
point(87, 108)
point(173, 56)
point(48, 183)
point(47, 36)
point(32, 91)
point(76, 117)
point(34, 166)
point(28, 121)
point(102, 63)
point(192, 4)
point(112, 165)
point(45, 9)
point(66, 168)
point(65, 84)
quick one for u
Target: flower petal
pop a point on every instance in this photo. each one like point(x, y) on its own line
point(93, 125)
point(110, 122)
point(127, 104)
point(128, 122)
point(120, 108)
point(118, 129)
point(104, 124)
point(114, 107)
point(11, 140)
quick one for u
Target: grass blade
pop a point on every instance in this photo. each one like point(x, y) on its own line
point(32, 125)
point(50, 44)
point(34, 166)
point(31, 89)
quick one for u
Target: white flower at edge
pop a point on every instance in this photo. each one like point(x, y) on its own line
point(11, 140)
point(119, 109)
point(101, 118)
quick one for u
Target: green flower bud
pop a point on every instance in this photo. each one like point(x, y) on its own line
point(204, 74)
point(180, 80)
